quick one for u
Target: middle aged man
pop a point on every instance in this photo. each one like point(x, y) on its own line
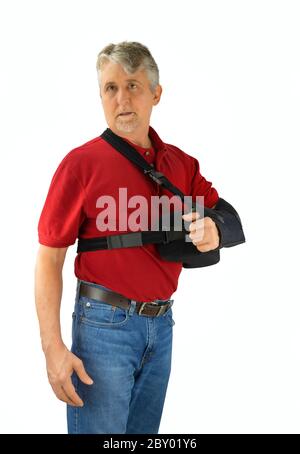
point(115, 377)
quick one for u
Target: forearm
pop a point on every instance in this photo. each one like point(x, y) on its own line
point(48, 293)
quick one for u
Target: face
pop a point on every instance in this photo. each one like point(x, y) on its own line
point(127, 100)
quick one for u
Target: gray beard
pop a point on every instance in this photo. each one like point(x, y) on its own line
point(125, 125)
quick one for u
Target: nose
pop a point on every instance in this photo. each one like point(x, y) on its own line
point(123, 96)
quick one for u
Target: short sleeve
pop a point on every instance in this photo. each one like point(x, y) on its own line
point(63, 211)
point(203, 187)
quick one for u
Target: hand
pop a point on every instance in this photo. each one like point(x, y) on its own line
point(204, 232)
point(60, 365)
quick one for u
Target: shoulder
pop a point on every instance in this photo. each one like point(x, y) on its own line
point(83, 151)
point(85, 156)
point(186, 158)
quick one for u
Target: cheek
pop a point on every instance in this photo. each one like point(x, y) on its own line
point(109, 109)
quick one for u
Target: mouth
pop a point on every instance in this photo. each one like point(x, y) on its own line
point(125, 114)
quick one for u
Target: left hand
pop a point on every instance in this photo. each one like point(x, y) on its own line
point(204, 233)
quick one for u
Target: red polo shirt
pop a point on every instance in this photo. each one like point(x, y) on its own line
point(95, 169)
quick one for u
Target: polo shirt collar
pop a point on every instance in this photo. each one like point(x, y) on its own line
point(158, 144)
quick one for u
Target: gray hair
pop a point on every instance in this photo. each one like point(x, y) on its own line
point(132, 56)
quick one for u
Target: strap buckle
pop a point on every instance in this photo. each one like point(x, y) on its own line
point(166, 237)
point(132, 239)
point(155, 175)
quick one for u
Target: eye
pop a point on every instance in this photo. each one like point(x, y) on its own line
point(133, 85)
point(109, 87)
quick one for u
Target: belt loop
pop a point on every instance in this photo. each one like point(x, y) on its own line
point(132, 307)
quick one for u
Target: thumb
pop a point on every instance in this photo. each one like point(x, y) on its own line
point(81, 372)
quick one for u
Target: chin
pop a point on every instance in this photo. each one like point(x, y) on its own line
point(124, 126)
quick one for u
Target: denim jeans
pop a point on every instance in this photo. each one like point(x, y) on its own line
point(128, 356)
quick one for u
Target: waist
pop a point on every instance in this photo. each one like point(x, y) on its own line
point(153, 308)
point(140, 273)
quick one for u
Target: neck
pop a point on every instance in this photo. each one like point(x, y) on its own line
point(142, 141)
point(146, 143)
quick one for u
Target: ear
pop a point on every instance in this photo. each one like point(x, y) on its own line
point(157, 94)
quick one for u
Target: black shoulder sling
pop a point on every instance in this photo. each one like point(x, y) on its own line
point(170, 242)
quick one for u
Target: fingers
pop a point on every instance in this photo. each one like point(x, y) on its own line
point(198, 240)
point(197, 231)
point(81, 372)
point(66, 392)
point(204, 234)
point(69, 390)
point(60, 373)
point(196, 223)
point(205, 247)
point(192, 216)
point(62, 395)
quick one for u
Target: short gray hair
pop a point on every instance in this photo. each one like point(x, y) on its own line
point(133, 56)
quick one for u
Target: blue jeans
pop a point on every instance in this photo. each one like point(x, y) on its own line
point(128, 356)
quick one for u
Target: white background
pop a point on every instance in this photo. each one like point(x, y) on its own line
point(230, 72)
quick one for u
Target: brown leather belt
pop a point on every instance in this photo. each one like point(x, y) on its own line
point(151, 309)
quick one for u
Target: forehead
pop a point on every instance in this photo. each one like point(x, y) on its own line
point(114, 73)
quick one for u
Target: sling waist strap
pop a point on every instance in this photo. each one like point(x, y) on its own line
point(132, 239)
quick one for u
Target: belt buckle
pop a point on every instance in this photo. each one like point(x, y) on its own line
point(141, 308)
point(162, 306)
point(160, 310)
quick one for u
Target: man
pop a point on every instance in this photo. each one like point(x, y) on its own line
point(115, 377)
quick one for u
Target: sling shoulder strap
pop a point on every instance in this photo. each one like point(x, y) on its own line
point(132, 155)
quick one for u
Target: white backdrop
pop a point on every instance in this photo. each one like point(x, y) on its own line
point(230, 73)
